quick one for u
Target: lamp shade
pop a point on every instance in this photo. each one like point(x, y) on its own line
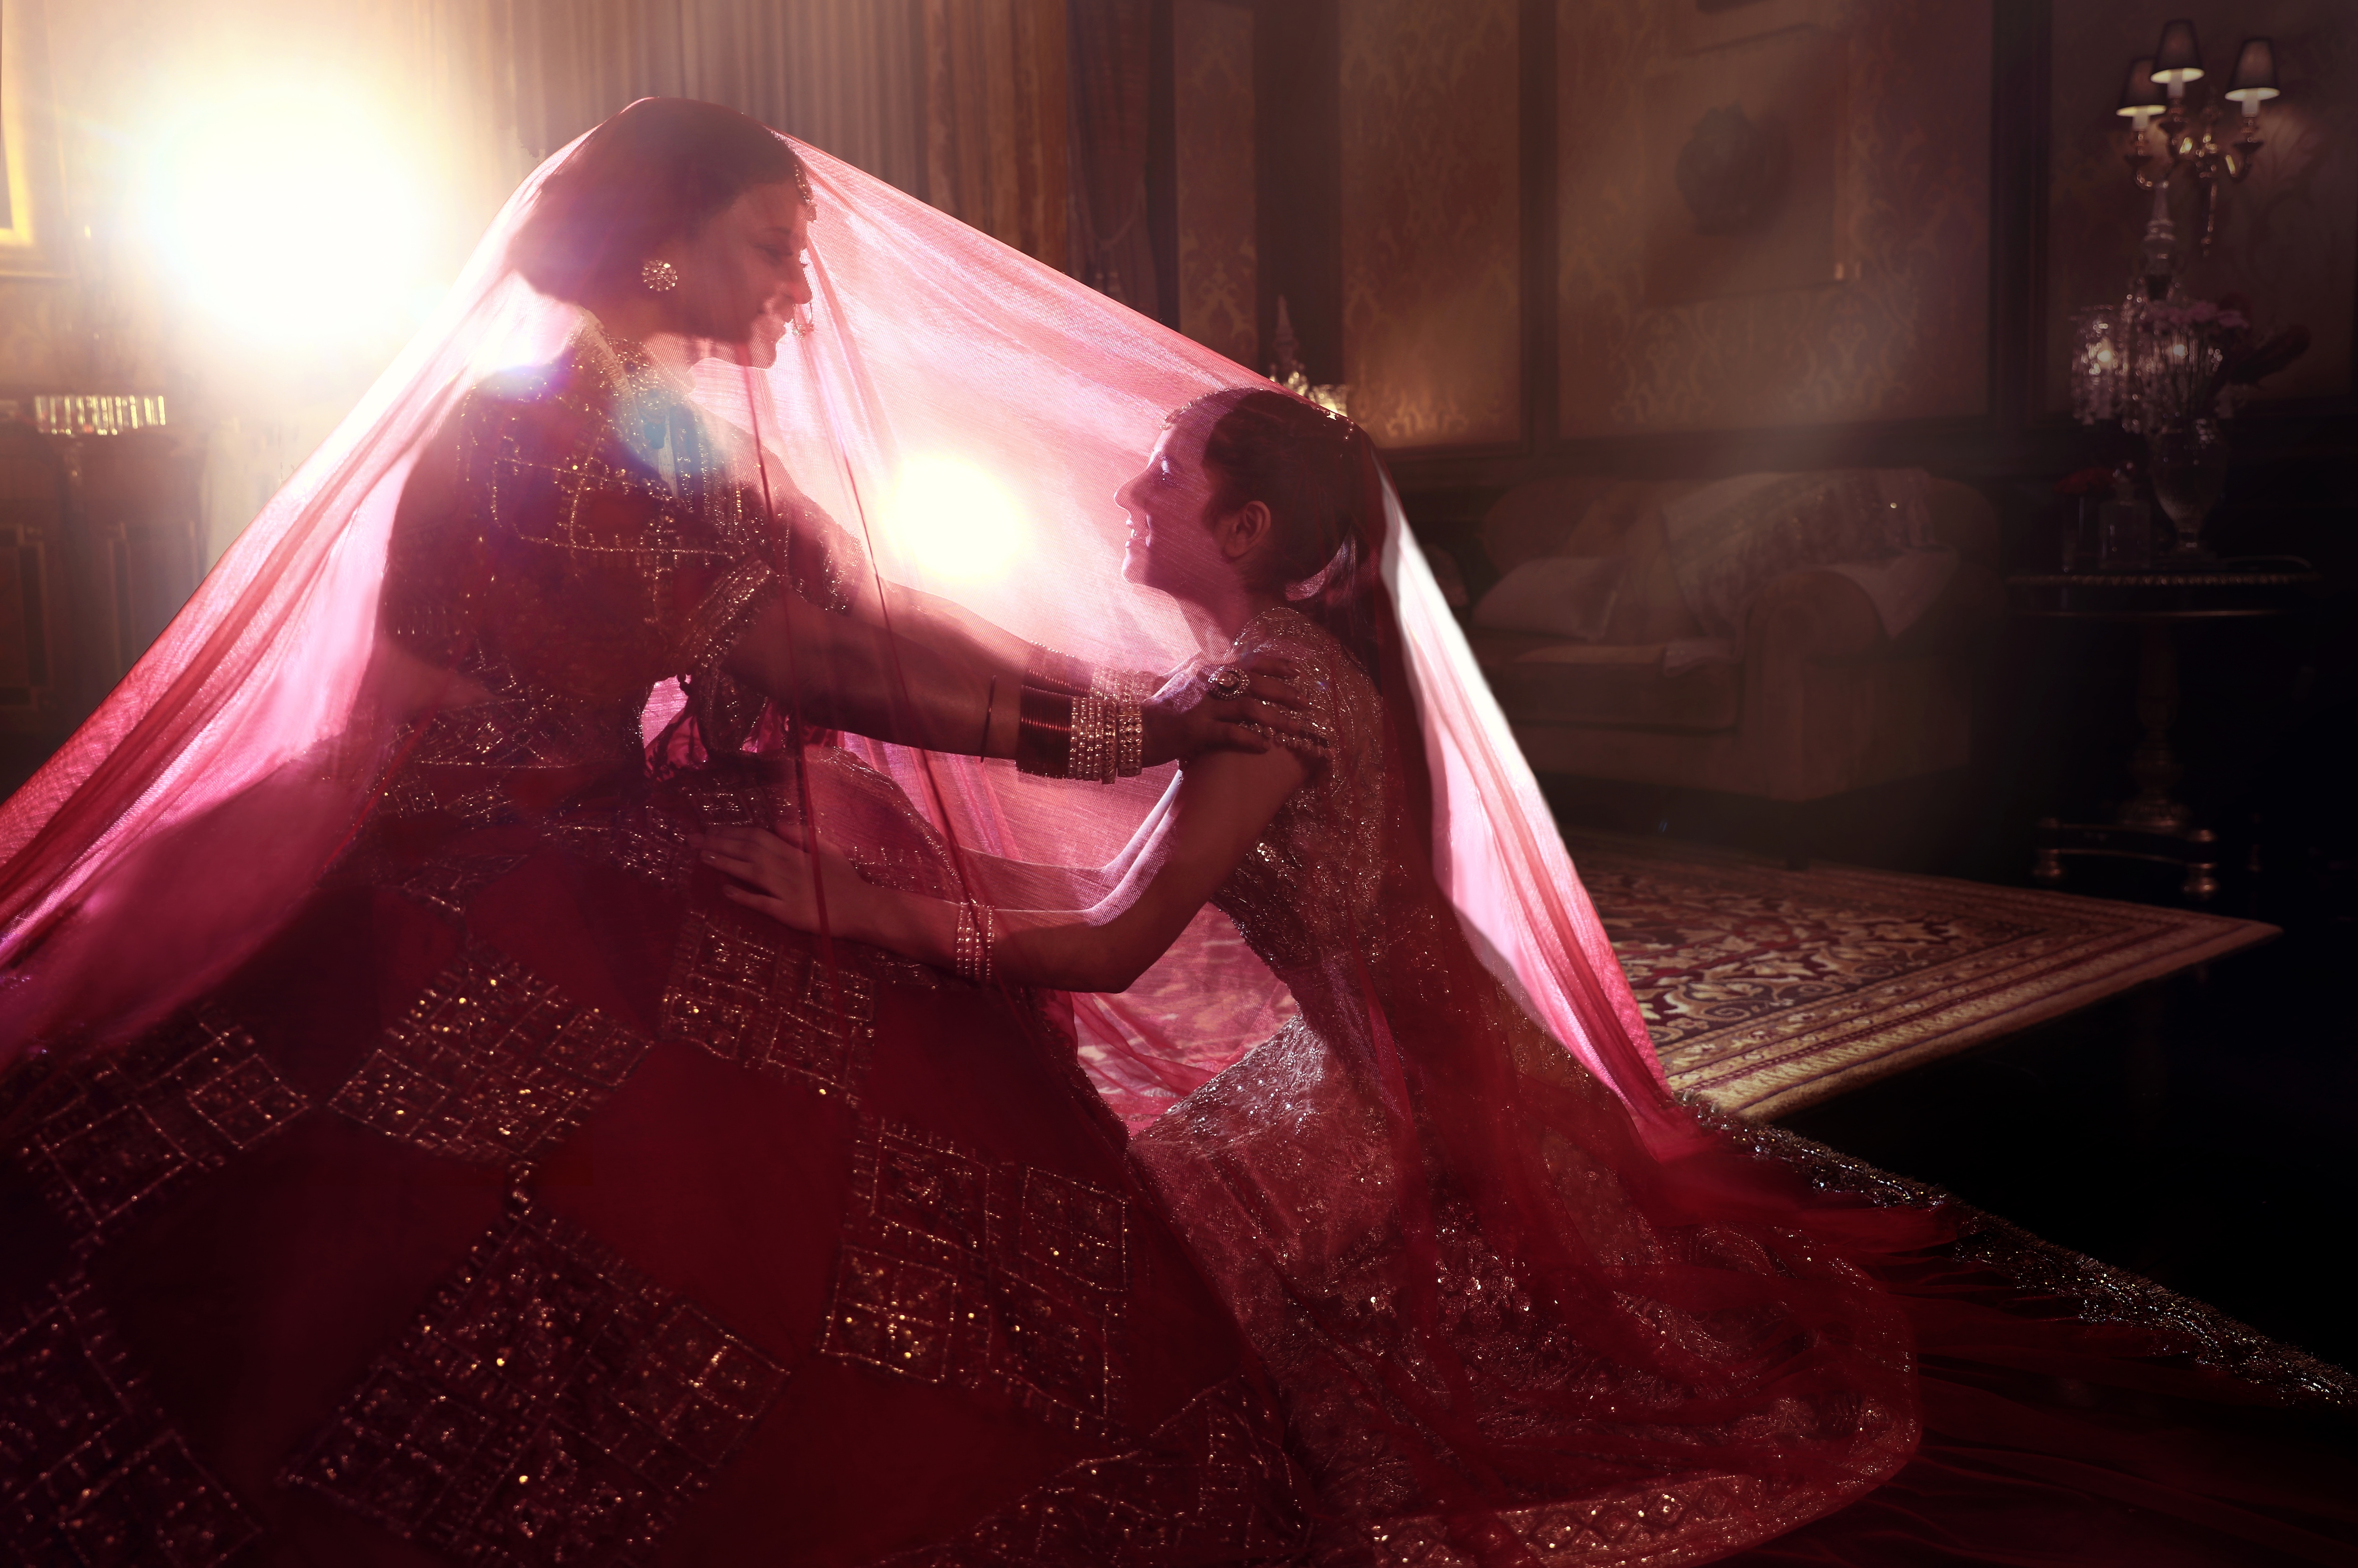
point(2178, 57)
point(2140, 94)
point(2256, 72)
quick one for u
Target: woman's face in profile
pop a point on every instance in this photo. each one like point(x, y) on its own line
point(1171, 547)
point(743, 274)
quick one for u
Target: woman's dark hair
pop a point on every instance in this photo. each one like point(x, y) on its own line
point(661, 168)
point(1316, 474)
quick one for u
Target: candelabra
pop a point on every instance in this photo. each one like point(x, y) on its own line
point(2155, 100)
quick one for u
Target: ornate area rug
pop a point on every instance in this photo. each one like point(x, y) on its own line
point(1769, 990)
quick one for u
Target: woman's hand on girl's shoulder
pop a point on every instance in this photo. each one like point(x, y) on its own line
point(1226, 708)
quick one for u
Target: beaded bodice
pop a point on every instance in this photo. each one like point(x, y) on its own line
point(1313, 886)
point(1328, 897)
point(1445, 1242)
point(578, 533)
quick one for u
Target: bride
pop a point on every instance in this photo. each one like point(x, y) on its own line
point(1511, 1321)
point(409, 1156)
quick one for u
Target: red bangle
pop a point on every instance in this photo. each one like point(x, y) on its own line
point(1043, 734)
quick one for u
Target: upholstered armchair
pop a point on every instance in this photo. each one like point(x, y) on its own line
point(1810, 695)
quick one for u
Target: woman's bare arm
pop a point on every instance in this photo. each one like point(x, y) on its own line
point(843, 673)
point(947, 627)
point(1219, 810)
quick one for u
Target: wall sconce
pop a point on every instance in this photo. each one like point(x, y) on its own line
point(2155, 91)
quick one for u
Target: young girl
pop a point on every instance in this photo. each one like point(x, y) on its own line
point(1509, 1325)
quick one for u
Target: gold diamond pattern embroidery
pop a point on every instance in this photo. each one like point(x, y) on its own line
point(551, 1405)
point(994, 1275)
point(117, 1127)
point(1075, 1227)
point(752, 992)
point(1210, 1483)
point(89, 1472)
point(490, 1063)
point(893, 1313)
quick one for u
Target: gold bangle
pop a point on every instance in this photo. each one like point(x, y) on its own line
point(1044, 733)
point(971, 945)
point(1122, 686)
point(1130, 739)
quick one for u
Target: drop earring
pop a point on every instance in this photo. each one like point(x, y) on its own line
point(659, 277)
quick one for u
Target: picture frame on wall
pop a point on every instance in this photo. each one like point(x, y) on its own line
point(33, 242)
point(1743, 153)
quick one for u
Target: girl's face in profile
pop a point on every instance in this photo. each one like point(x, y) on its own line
point(1171, 545)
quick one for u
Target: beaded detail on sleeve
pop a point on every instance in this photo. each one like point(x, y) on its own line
point(1313, 884)
point(579, 534)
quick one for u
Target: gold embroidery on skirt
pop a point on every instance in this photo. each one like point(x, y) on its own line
point(489, 1065)
point(115, 1128)
point(1006, 1279)
point(449, 885)
point(551, 1404)
point(752, 992)
point(1212, 1484)
point(94, 1474)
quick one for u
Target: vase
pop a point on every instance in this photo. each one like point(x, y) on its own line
point(2188, 461)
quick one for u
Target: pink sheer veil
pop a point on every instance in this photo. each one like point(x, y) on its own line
point(962, 410)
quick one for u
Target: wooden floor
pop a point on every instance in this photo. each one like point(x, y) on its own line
point(2201, 1129)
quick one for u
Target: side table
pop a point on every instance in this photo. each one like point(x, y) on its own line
point(2153, 824)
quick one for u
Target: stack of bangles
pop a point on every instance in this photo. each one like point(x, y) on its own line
point(970, 947)
point(1101, 736)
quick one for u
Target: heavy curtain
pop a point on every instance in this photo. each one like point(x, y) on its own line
point(995, 119)
point(1113, 243)
point(960, 101)
point(842, 74)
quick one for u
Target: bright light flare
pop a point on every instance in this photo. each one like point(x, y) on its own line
point(292, 213)
point(953, 520)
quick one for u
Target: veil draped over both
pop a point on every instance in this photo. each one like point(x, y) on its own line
point(950, 416)
point(967, 415)
point(955, 417)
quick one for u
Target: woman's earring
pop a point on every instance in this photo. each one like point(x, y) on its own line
point(660, 276)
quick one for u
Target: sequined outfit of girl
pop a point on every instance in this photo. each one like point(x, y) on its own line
point(1507, 1335)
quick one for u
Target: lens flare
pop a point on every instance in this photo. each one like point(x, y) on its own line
point(952, 521)
point(291, 213)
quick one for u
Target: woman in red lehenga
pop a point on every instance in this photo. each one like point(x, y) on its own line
point(1523, 1307)
point(410, 1158)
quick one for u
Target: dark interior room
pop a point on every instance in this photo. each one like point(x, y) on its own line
point(970, 783)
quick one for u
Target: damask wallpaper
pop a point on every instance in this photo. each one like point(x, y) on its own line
point(1212, 64)
point(1898, 331)
point(2287, 235)
point(1432, 234)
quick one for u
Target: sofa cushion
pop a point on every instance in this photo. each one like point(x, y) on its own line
point(1652, 609)
point(1567, 596)
point(1545, 680)
point(1583, 515)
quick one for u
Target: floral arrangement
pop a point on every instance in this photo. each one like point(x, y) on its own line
point(2152, 363)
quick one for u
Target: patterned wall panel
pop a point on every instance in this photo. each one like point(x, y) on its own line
point(1432, 265)
point(1898, 331)
point(1212, 59)
point(2287, 235)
